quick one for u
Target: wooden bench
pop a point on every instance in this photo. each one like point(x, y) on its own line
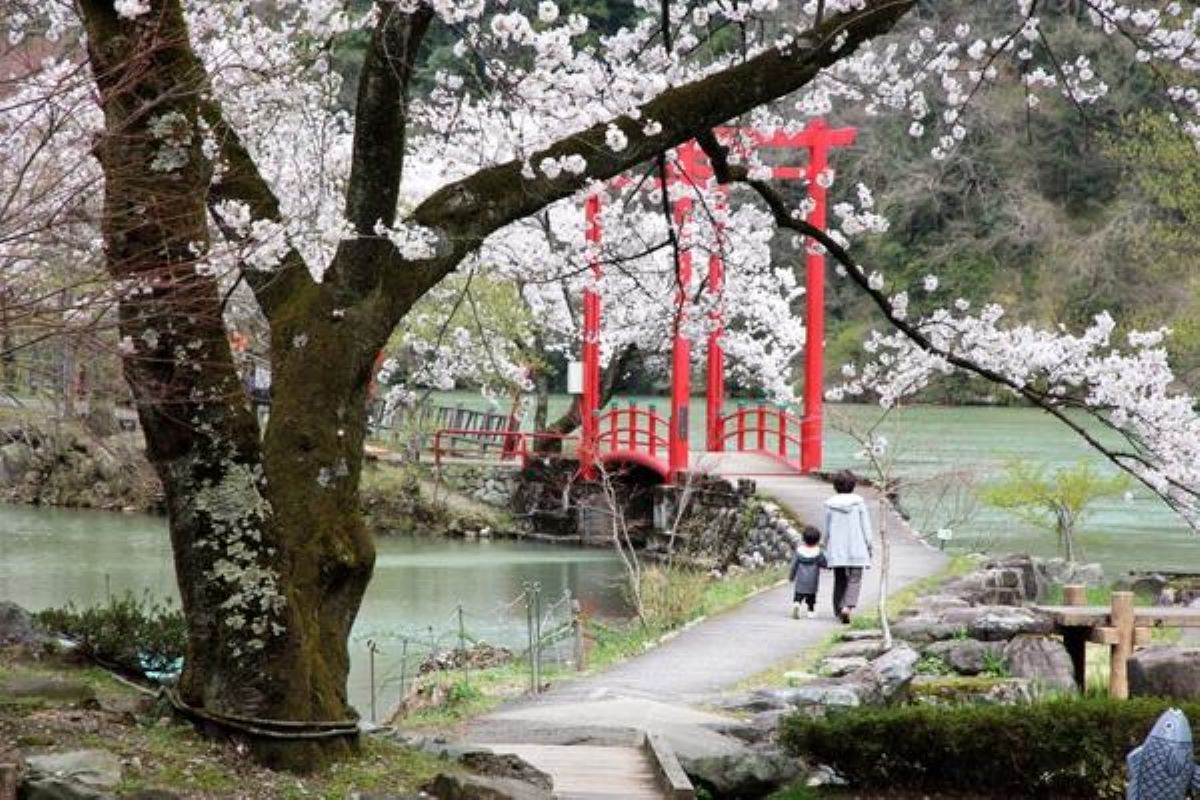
point(1121, 626)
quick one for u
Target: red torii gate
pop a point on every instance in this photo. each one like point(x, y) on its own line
point(692, 166)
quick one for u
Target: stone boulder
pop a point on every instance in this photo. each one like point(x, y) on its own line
point(974, 690)
point(1043, 661)
point(966, 656)
point(884, 678)
point(1000, 622)
point(825, 693)
point(57, 690)
point(836, 667)
point(862, 648)
point(448, 786)
point(927, 628)
point(1165, 672)
point(506, 765)
point(1061, 571)
point(74, 775)
point(757, 772)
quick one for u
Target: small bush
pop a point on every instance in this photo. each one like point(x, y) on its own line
point(136, 634)
point(1057, 749)
point(672, 597)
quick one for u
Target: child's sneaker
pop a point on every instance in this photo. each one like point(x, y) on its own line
point(795, 611)
point(812, 614)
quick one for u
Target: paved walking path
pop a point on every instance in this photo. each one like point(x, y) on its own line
point(717, 654)
point(658, 692)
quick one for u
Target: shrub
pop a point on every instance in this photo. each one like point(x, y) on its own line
point(137, 635)
point(1061, 748)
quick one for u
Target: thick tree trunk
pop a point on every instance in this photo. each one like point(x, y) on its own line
point(270, 553)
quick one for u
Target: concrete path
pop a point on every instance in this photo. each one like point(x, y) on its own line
point(658, 692)
point(717, 654)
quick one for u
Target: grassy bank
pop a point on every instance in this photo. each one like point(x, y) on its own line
point(52, 704)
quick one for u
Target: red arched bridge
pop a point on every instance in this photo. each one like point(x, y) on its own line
point(633, 434)
point(639, 435)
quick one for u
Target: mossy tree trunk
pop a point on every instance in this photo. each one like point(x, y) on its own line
point(270, 550)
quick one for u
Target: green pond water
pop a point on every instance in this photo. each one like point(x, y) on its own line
point(49, 557)
point(947, 453)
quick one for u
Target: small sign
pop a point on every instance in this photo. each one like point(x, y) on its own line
point(575, 377)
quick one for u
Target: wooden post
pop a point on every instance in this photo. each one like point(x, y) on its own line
point(9, 780)
point(1075, 639)
point(1122, 624)
point(577, 623)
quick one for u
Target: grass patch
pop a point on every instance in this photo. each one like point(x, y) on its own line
point(159, 753)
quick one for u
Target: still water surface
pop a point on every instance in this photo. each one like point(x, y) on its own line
point(49, 557)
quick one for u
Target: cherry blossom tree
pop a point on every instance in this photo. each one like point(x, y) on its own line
point(224, 158)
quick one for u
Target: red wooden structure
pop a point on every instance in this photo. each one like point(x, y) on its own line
point(641, 444)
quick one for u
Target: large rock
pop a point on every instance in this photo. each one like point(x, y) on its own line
point(1043, 661)
point(97, 768)
point(883, 678)
point(58, 789)
point(836, 667)
point(967, 656)
point(478, 787)
point(927, 628)
point(15, 460)
point(1165, 672)
point(976, 690)
point(62, 690)
point(75, 775)
point(825, 693)
point(755, 773)
point(18, 626)
point(1061, 571)
point(863, 648)
point(1001, 622)
point(506, 765)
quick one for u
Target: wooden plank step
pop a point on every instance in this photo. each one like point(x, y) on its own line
point(590, 772)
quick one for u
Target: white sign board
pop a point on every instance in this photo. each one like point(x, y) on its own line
point(575, 377)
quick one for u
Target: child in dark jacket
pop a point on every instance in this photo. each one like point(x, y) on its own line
point(806, 571)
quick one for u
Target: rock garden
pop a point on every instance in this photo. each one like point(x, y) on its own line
point(974, 669)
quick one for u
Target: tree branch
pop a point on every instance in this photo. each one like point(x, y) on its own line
point(240, 181)
point(464, 213)
point(790, 219)
point(380, 118)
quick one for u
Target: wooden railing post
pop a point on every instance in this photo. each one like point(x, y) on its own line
point(1122, 648)
point(782, 433)
point(762, 427)
point(652, 423)
point(633, 423)
point(1074, 638)
point(741, 427)
point(614, 426)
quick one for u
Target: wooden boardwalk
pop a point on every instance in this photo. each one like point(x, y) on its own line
point(590, 772)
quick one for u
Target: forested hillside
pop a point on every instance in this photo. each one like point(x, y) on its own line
point(1071, 212)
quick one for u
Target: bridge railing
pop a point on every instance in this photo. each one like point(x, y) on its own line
point(762, 429)
point(633, 429)
point(479, 444)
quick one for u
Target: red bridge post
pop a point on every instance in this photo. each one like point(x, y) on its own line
point(589, 402)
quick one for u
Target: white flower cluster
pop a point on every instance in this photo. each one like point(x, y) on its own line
point(1132, 390)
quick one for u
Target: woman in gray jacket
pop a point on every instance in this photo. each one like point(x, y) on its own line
point(848, 543)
